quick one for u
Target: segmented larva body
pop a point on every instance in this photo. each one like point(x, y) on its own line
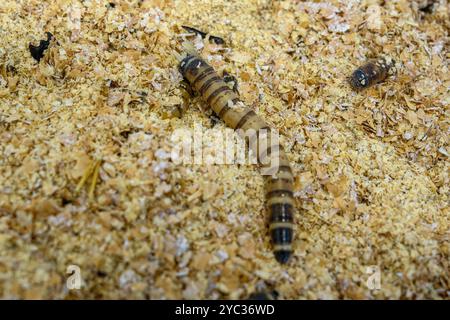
point(372, 72)
point(270, 154)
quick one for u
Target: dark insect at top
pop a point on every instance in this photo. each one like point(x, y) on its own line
point(372, 72)
point(215, 39)
point(37, 52)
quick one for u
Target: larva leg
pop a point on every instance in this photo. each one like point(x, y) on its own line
point(185, 85)
point(270, 154)
point(231, 81)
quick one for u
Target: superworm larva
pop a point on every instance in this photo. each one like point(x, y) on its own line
point(279, 190)
point(372, 72)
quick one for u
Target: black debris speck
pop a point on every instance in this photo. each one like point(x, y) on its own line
point(214, 39)
point(428, 8)
point(37, 52)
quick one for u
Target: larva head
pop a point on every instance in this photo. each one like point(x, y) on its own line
point(191, 65)
point(359, 79)
point(184, 63)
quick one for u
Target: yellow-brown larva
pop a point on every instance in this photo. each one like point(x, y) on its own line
point(372, 72)
point(270, 154)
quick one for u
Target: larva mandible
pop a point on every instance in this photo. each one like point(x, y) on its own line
point(226, 104)
point(372, 72)
point(231, 81)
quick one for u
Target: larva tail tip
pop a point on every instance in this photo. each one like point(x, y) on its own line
point(282, 256)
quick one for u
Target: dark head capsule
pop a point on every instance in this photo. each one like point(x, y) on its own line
point(190, 62)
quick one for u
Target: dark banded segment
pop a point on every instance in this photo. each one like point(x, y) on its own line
point(281, 232)
point(224, 110)
point(203, 76)
point(279, 189)
point(208, 83)
point(282, 235)
point(226, 107)
point(281, 212)
point(216, 93)
point(280, 193)
point(245, 118)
